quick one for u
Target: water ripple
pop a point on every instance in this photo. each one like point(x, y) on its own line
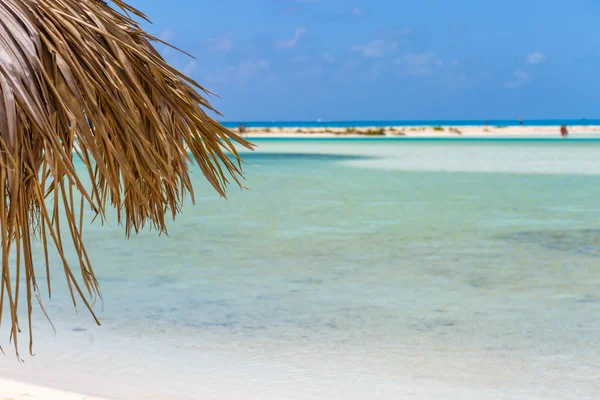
point(584, 242)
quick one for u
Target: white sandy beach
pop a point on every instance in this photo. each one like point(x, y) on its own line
point(11, 390)
point(424, 132)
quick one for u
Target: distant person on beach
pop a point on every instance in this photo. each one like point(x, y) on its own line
point(563, 131)
point(520, 121)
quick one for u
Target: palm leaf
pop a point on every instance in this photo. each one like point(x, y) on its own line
point(79, 78)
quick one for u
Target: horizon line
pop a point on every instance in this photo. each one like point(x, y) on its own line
point(407, 120)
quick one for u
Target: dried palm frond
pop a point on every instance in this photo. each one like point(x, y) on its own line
point(78, 77)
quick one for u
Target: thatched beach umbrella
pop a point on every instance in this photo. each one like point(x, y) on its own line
point(80, 79)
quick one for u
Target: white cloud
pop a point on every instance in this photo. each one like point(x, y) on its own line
point(300, 58)
point(247, 68)
point(401, 31)
point(536, 57)
point(375, 48)
point(165, 51)
point(316, 71)
point(219, 44)
point(520, 78)
point(375, 70)
point(189, 68)
point(291, 43)
point(358, 12)
point(166, 35)
point(242, 71)
point(418, 64)
point(349, 68)
point(328, 58)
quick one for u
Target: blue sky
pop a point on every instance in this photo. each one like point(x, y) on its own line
point(382, 59)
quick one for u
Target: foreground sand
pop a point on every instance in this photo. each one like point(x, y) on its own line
point(10, 390)
point(424, 131)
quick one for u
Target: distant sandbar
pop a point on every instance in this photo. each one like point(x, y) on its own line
point(423, 131)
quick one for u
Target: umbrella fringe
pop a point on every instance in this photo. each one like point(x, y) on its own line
point(80, 79)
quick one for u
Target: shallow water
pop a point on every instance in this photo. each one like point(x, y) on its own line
point(351, 269)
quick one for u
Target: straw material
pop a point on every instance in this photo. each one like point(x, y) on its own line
point(79, 78)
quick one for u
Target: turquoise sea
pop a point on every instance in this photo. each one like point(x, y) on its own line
point(350, 269)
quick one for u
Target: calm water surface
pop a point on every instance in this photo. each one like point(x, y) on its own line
point(450, 270)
